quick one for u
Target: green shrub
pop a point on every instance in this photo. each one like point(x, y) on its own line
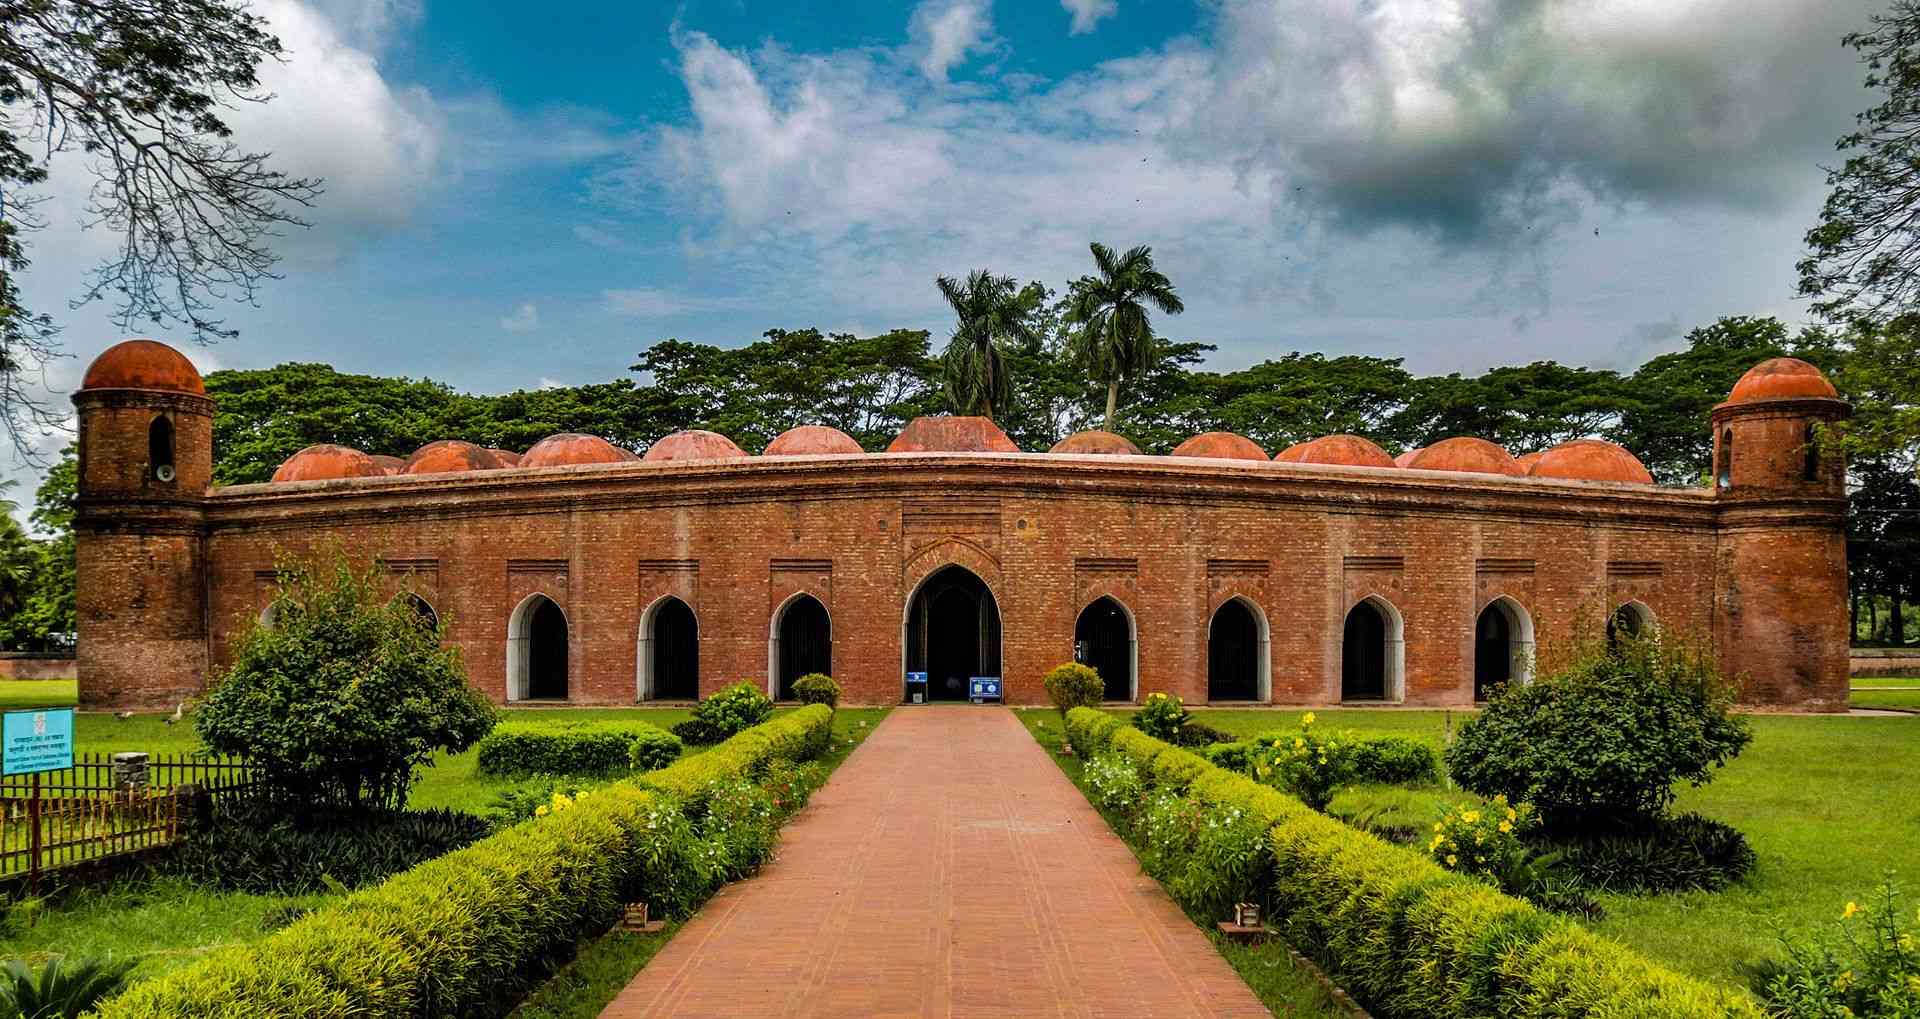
point(345, 695)
point(1671, 854)
point(1091, 730)
point(65, 988)
point(261, 848)
point(792, 784)
point(1395, 813)
point(1230, 861)
point(1071, 685)
point(1863, 964)
point(575, 748)
point(726, 713)
point(1395, 760)
point(1601, 744)
point(522, 800)
point(1161, 717)
point(742, 823)
point(1198, 735)
point(463, 933)
point(1114, 783)
point(817, 688)
point(1305, 763)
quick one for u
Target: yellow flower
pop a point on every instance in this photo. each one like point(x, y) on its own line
point(1452, 859)
point(1439, 826)
point(1843, 981)
point(1307, 719)
point(1471, 817)
point(1852, 908)
point(1505, 827)
point(1512, 814)
point(540, 811)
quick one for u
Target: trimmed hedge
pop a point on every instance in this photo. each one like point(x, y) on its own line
point(463, 934)
point(576, 748)
point(1388, 760)
point(1408, 937)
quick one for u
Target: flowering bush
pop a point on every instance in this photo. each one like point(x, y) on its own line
point(1167, 829)
point(1115, 784)
point(1161, 717)
point(1481, 839)
point(1072, 685)
point(1231, 860)
point(792, 783)
point(1866, 965)
point(732, 710)
point(1307, 764)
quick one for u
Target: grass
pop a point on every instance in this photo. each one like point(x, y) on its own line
point(1822, 798)
point(38, 693)
point(1893, 700)
point(1268, 969)
point(1886, 682)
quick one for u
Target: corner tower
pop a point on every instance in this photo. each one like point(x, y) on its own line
point(146, 461)
point(1781, 584)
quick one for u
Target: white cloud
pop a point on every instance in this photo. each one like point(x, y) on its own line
point(525, 319)
point(643, 302)
point(1089, 13)
point(944, 32)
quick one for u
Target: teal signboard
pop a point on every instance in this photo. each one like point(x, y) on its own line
point(36, 741)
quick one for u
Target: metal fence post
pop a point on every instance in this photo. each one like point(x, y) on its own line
point(33, 838)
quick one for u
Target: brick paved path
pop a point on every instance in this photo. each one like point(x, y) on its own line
point(947, 869)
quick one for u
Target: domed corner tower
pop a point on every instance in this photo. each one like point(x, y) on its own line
point(146, 462)
point(1781, 557)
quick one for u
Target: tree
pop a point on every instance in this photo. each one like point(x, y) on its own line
point(345, 693)
point(1116, 339)
point(991, 313)
point(142, 90)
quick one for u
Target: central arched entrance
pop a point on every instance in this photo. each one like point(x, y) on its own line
point(1103, 639)
point(1236, 653)
point(802, 644)
point(671, 652)
point(537, 651)
point(953, 632)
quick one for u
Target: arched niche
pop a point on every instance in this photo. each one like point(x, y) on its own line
point(1373, 651)
point(537, 650)
point(1106, 639)
point(1239, 666)
point(1502, 646)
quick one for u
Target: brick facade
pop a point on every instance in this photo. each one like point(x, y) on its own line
point(167, 578)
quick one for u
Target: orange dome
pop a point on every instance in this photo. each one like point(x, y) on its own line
point(1096, 441)
point(1527, 460)
point(507, 457)
point(1462, 453)
point(388, 464)
point(808, 440)
point(951, 434)
point(693, 444)
point(1221, 446)
point(143, 364)
point(1406, 459)
point(449, 455)
point(324, 462)
point(1336, 449)
point(1591, 460)
point(1781, 378)
point(569, 448)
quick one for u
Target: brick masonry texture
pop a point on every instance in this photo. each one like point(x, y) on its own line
point(169, 572)
point(919, 883)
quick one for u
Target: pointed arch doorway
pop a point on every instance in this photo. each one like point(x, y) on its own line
point(1103, 639)
point(952, 632)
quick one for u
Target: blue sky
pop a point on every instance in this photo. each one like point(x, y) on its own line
point(522, 195)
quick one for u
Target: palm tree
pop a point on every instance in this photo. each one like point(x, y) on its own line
point(1116, 338)
point(991, 313)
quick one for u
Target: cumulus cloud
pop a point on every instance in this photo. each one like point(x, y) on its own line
point(643, 302)
point(524, 319)
point(944, 32)
point(1088, 13)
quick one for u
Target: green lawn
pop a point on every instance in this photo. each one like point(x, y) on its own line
point(169, 923)
point(38, 693)
point(1897, 700)
point(1908, 682)
point(1824, 799)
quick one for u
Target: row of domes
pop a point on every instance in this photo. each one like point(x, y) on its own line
point(1581, 459)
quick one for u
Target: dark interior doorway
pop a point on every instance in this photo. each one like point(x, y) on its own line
point(953, 633)
point(676, 652)
point(1492, 652)
point(1103, 639)
point(1363, 667)
point(547, 652)
point(1625, 623)
point(428, 618)
point(1233, 654)
point(806, 643)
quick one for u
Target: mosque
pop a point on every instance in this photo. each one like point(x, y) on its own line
point(578, 573)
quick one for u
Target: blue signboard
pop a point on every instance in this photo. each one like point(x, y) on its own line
point(984, 688)
point(35, 741)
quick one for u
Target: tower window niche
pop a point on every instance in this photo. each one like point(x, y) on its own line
point(1723, 469)
point(160, 448)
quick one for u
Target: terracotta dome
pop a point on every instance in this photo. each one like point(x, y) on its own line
point(951, 434)
point(325, 462)
point(507, 457)
point(143, 364)
point(1781, 378)
point(693, 444)
point(569, 448)
point(388, 464)
point(1221, 446)
point(1351, 450)
point(808, 440)
point(1591, 460)
point(1406, 458)
point(1096, 441)
point(1462, 453)
point(1527, 460)
point(449, 455)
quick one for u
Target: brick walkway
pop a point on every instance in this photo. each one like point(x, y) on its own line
point(948, 869)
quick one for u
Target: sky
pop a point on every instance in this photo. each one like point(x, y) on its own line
point(519, 196)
